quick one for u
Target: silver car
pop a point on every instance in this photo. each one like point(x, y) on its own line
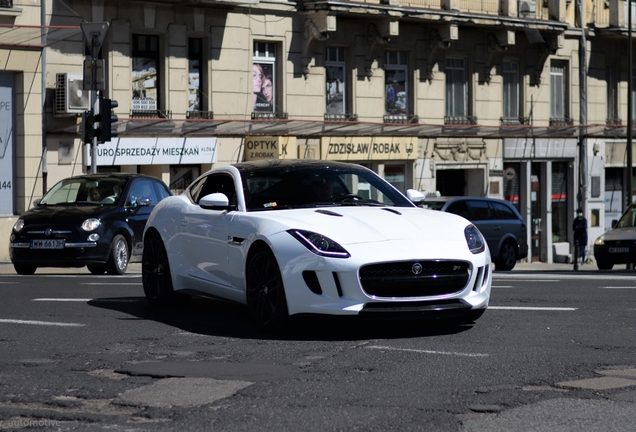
point(499, 222)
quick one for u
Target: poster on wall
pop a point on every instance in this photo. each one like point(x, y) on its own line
point(263, 86)
point(6, 143)
point(144, 84)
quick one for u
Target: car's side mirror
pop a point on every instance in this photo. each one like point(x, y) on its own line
point(614, 223)
point(143, 201)
point(415, 196)
point(215, 201)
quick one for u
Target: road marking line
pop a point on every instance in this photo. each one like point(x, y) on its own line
point(113, 283)
point(527, 280)
point(427, 351)
point(623, 287)
point(8, 283)
point(85, 300)
point(532, 308)
point(44, 323)
point(502, 286)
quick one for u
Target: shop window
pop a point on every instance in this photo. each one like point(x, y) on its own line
point(596, 218)
point(146, 78)
point(336, 92)
point(559, 95)
point(396, 175)
point(396, 104)
point(264, 82)
point(511, 184)
point(559, 201)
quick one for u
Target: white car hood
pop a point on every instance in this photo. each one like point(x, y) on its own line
point(371, 224)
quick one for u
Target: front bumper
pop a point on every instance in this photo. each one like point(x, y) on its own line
point(74, 254)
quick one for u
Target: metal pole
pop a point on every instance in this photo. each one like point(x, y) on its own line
point(628, 198)
point(582, 109)
point(95, 100)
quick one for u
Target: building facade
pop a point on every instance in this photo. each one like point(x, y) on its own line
point(462, 97)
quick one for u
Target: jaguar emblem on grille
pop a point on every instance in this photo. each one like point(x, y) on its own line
point(417, 268)
point(48, 231)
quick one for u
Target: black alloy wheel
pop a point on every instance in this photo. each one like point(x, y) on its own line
point(507, 256)
point(155, 274)
point(265, 291)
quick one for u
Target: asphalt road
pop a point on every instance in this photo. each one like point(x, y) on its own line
point(555, 352)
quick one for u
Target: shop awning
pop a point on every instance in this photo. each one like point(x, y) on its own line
point(129, 127)
point(35, 36)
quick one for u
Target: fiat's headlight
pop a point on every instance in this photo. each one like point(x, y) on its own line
point(18, 225)
point(319, 244)
point(599, 241)
point(91, 224)
point(474, 239)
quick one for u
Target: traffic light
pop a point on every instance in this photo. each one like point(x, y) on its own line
point(88, 126)
point(106, 119)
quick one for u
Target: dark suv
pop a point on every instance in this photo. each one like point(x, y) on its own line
point(499, 222)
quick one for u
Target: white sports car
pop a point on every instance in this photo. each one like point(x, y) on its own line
point(288, 237)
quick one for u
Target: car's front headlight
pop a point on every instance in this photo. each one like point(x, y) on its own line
point(319, 244)
point(474, 239)
point(91, 224)
point(18, 225)
point(600, 241)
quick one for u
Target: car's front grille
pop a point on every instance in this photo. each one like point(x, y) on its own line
point(414, 278)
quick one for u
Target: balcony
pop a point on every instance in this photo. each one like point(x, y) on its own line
point(150, 114)
point(563, 121)
point(401, 118)
point(262, 115)
point(200, 115)
point(341, 117)
point(6, 4)
point(460, 120)
point(614, 121)
point(514, 121)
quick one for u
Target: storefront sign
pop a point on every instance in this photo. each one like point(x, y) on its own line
point(156, 151)
point(368, 148)
point(6, 143)
point(269, 147)
point(540, 148)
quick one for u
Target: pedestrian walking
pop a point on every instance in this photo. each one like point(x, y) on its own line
point(580, 235)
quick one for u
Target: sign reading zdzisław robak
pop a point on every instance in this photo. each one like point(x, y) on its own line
point(368, 148)
point(269, 147)
point(156, 151)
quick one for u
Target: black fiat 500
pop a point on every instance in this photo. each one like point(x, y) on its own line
point(94, 220)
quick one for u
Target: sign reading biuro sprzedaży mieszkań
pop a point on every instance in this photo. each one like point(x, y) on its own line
point(156, 151)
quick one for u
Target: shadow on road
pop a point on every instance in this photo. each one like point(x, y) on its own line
point(218, 318)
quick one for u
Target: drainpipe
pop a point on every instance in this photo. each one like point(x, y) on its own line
point(582, 198)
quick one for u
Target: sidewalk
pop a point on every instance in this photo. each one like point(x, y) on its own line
point(135, 268)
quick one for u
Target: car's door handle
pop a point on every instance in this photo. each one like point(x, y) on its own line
point(497, 228)
point(184, 222)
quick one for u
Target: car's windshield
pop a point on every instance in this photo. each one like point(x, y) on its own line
point(269, 189)
point(628, 219)
point(85, 191)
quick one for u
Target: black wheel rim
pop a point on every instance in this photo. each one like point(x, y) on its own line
point(264, 289)
point(153, 267)
point(509, 255)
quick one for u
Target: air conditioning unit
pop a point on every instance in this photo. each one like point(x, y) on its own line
point(70, 97)
point(527, 9)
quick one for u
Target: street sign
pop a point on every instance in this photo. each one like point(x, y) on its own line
point(94, 35)
point(99, 83)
